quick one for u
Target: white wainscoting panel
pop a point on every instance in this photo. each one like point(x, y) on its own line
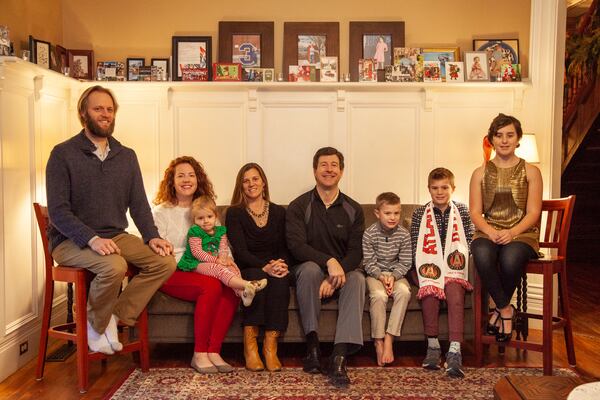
point(293, 128)
point(214, 133)
point(382, 151)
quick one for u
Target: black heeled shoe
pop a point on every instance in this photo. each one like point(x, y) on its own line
point(502, 336)
point(492, 328)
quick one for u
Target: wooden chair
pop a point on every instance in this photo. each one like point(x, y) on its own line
point(555, 234)
point(77, 331)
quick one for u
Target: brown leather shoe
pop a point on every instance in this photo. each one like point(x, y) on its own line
point(270, 351)
point(253, 361)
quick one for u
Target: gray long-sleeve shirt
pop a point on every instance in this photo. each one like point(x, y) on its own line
point(89, 197)
point(386, 251)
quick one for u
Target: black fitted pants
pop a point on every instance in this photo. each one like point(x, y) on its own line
point(270, 306)
point(500, 267)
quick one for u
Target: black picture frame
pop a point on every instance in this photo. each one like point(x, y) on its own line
point(40, 52)
point(159, 62)
point(177, 47)
point(130, 64)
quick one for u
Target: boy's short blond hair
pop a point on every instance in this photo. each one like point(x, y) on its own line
point(387, 198)
point(439, 174)
point(203, 203)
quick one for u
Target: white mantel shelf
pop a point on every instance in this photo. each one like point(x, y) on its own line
point(428, 88)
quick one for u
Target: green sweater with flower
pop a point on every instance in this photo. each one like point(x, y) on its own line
point(210, 244)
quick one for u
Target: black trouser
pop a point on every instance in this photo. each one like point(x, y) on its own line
point(500, 267)
point(270, 306)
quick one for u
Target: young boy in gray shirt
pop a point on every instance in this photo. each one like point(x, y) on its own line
point(387, 259)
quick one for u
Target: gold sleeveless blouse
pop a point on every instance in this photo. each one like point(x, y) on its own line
point(504, 192)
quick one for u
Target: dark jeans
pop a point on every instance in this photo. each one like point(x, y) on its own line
point(500, 267)
point(270, 306)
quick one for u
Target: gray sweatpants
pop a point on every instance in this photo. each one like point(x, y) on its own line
point(351, 302)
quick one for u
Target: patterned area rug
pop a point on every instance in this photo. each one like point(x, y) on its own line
point(293, 384)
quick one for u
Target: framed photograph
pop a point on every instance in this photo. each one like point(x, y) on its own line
point(58, 58)
point(329, 69)
point(268, 74)
point(133, 68)
point(476, 66)
point(227, 71)
point(499, 52)
point(248, 43)
point(192, 58)
point(432, 71)
point(374, 40)
point(455, 71)
point(410, 65)
point(304, 43)
point(110, 71)
point(253, 74)
point(511, 73)
point(40, 52)
point(367, 70)
point(311, 48)
point(80, 64)
point(443, 55)
point(162, 68)
point(4, 41)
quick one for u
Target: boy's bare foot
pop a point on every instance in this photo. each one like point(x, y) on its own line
point(379, 350)
point(388, 349)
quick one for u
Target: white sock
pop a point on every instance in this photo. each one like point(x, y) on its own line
point(454, 347)
point(97, 342)
point(112, 334)
point(433, 342)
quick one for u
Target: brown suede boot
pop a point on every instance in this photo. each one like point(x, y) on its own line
point(270, 351)
point(253, 361)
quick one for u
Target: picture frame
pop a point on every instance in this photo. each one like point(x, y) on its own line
point(81, 64)
point(455, 72)
point(441, 54)
point(133, 64)
point(367, 70)
point(409, 63)
point(358, 30)
point(195, 54)
point(511, 72)
point(163, 70)
point(40, 52)
point(292, 31)
point(58, 58)
point(227, 72)
point(499, 52)
point(110, 71)
point(230, 30)
point(253, 74)
point(476, 66)
point(329, 69)
point(432, 71)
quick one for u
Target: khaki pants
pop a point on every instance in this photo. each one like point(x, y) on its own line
point(378, 302)
point(103, 296)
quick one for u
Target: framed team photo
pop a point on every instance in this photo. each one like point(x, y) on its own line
point(249, 43)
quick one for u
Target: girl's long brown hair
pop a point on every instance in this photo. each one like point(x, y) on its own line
point(166, 189)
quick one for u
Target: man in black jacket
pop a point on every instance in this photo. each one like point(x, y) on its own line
point(324, 230)
point(91, 182)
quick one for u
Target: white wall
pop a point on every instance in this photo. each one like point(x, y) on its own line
point(392, 136)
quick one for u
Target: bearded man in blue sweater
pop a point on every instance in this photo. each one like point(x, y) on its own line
point(92, 180)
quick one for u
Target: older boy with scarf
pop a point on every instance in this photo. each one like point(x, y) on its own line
point(441, 233)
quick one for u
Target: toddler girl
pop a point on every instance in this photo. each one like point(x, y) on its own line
point(207, 252)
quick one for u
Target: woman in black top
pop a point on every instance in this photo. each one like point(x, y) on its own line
point(256, 230)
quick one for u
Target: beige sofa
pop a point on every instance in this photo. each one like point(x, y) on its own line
point(171, 320)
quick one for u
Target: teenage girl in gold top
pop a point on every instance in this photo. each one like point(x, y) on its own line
point(505, 203)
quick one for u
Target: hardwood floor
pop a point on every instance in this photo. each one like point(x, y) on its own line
point(60, 381)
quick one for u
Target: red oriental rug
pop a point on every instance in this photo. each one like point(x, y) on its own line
point(293, 384)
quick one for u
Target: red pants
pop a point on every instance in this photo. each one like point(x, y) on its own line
point(455, 300)
point(215, 307)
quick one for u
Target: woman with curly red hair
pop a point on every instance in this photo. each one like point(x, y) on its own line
point(184, 181)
